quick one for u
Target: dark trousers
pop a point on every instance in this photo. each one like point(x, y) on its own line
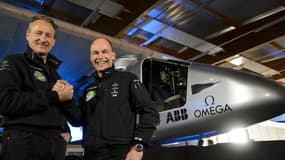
point(23, 145)
point(106, 152)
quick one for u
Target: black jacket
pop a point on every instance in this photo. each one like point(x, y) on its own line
point(110, 107)
point(26, 99)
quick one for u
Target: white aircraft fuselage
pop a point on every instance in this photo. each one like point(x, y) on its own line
point(195, 98)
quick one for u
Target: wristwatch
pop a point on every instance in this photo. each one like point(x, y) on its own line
point(138, 147)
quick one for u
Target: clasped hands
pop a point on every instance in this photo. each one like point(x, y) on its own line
point(63, 89)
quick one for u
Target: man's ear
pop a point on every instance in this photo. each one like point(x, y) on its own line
point(113, 55)
point(27, 35)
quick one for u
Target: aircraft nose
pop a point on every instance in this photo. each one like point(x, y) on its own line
point(248, 96)
point(219, 99)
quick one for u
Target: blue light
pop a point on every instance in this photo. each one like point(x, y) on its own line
point(26, 7)
point(139, 21)
point(278, 54)
point(132, 31)
point(154, 12)
point(76, 133)
point(187, 138)
point(153, 26)
point(41, 2)
point(152, 39)
point(280, 118)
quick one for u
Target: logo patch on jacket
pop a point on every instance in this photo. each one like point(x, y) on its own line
point(40, 76)
point(115, 92)
point(90, 95)
point(137, 84)
point(5, 65)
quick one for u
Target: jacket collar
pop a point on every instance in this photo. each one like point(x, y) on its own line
point(51, 60)
point(106, 73)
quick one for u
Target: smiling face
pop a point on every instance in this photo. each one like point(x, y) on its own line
point(41, 37)
point(101, 55)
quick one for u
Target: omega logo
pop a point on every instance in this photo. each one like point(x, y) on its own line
point(212, 109)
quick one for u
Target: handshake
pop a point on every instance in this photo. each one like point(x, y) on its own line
point(64, 90)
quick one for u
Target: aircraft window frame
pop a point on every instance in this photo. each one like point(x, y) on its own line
point(168, 81)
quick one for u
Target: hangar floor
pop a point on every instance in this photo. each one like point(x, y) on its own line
point(266, 150)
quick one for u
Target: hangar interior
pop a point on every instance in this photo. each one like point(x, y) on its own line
point(242, 35)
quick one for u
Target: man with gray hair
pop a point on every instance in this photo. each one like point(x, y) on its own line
point(33, 100)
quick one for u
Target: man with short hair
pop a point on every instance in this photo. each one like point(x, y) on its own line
point(110, 107)
point(33, 99)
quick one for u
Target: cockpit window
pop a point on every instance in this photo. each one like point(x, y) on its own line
point(166, 82)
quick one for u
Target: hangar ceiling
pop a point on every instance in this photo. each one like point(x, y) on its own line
point(239, 34)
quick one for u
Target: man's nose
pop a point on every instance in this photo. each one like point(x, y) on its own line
point(43, 38)
point(100, 55)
